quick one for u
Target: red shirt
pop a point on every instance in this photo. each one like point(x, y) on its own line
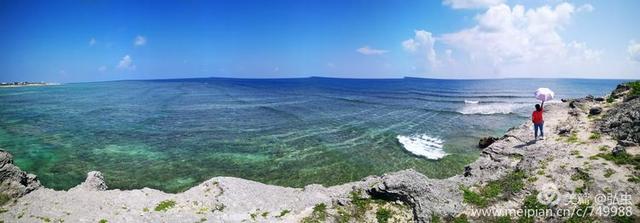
point(536, 117)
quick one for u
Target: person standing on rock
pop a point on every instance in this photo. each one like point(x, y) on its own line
point(538, 121)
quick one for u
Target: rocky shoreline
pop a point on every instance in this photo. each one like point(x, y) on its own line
point(590, 149)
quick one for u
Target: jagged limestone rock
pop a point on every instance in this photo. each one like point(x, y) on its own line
point(94, 182)
point(13, 181)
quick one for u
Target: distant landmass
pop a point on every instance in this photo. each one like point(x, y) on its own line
point(23, 84)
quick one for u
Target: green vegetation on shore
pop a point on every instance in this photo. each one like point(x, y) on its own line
point(585, 177)
point(4, 199)
point(383, 215)
point(498, 189)
point(635, 88)
point(573, 138)
point(319, 214)
point(624, 158)
point(529, 205)
point(360, 209)
point(165, 205)
point(283, 213)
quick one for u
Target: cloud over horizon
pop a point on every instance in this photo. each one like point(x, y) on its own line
point(634, 51)
point(139, 41)
point(366, 50)
point(449, 39)
point(512, 40)
point(422, 45)
point(471, 4)
point(126, 63)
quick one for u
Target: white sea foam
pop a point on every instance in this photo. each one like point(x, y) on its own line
point(471, 108)
point(487, 109)
point(423, 145)
point(553, 102)
point(470, 102)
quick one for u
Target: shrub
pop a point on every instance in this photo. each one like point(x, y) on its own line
point(529, 205)
point(283, 213)
point(608, 172)
point(319, 214)
point(383, 215)
point(635, 88)
point(4, 199)
point(435, 219)
point(473, 198)
point(610, 99)
point(501, 188)
point(165, 205)
point(573, 138)
point(460, 219)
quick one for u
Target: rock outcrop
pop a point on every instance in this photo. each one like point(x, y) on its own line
point(618, 150)
point(13, 181)
point(94, 182)
point(620, 90)
point(426, 196)
point(486, 141)
point(623, 121)
point(595, 110)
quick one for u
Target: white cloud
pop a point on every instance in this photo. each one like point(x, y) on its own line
point(140, 41)
point(578, 51)
point(470, 4)
point(366, 50)
point(448, 56)
point(634, 51)
point(422, 44)
point(92, 41)
point(126, 63)
point(515, 40)
point(585, 8)
point(102, 68)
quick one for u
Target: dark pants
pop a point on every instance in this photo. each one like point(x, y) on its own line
point(536, 127)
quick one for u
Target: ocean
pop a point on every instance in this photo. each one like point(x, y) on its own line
point(174, 134)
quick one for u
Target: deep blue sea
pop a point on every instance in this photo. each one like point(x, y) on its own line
point(173, 134)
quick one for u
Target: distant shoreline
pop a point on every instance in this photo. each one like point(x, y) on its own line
point(24, 84)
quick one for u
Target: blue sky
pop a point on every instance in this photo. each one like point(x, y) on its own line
point(75, 41)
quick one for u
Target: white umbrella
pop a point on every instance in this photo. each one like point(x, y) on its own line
point(544, 94)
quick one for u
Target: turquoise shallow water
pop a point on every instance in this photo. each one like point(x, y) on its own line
point(173, 134)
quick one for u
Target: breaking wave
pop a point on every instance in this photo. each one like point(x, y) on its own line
point(423, 145)
point(488, 109)
point(470, 102)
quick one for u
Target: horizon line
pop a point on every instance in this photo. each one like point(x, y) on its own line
point(331, 77)
point(350, 78)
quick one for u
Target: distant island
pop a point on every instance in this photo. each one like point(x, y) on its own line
point(23, 84)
